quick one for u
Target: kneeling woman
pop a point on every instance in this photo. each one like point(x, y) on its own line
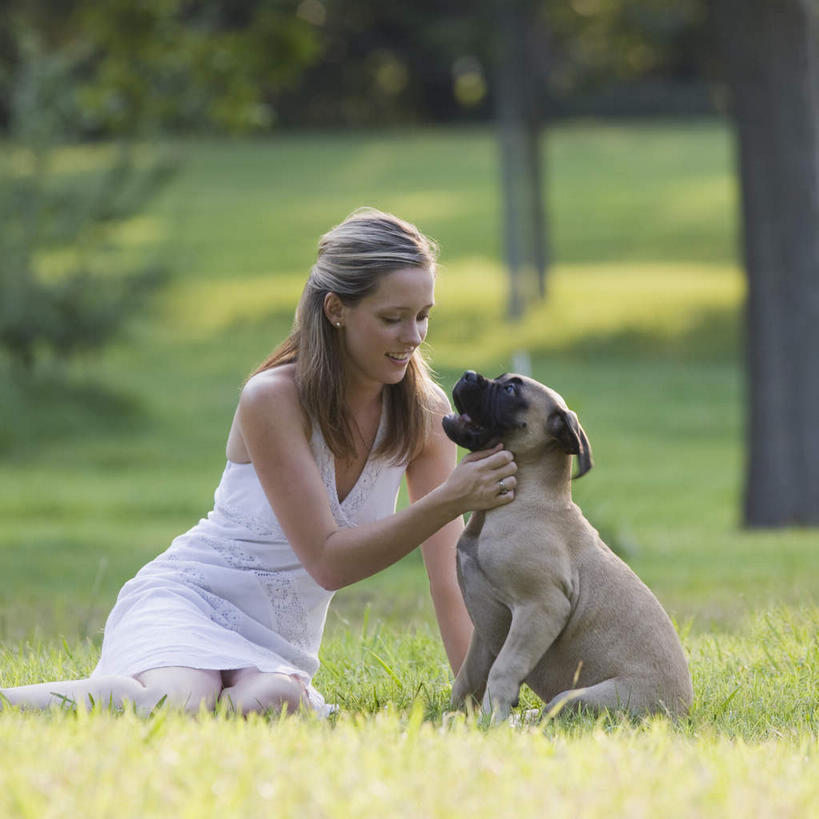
point(324, 432)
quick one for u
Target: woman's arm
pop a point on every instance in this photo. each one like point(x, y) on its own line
point(424, 474)
point(274, 431)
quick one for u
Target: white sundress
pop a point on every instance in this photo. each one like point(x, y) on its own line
point(231, 593)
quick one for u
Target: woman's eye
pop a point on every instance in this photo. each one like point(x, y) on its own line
point(391, 320)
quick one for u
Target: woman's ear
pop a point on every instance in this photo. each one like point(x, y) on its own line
point(334, 310)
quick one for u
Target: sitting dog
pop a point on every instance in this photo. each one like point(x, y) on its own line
point(551, 604)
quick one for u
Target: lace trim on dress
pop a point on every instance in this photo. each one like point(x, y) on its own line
point(287, 615)
point(222, 612)
point(261, 525)
point(344, 511)
point(287, 609)
point(234, 555)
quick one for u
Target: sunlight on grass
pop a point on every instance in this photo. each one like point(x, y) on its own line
point(198, 308)
point(661, 302)
point(389, 766)
point(750, 746)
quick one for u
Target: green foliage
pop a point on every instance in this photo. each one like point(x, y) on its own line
point(60, 289)
point(621, 40)
point(143, 66)
point(240, 66)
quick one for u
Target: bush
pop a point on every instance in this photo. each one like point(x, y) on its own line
point(59, 290)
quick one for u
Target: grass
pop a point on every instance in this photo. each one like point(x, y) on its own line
point(102, 465)
point(748, 748)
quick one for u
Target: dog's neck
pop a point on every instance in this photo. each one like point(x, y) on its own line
point(546, 478)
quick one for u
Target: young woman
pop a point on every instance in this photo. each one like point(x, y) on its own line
point(324, 432)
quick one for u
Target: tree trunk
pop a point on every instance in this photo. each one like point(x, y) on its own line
point(770, 50)
point(539, 241)
point(519, 137)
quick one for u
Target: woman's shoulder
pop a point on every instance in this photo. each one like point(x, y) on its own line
point(438, 400)
point(277, 383)
point(273, 392)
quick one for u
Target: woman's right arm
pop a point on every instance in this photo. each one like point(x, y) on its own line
point(273, 428)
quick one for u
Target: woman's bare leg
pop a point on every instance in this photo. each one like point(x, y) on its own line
point(179, 687)
point(248, 689)
point(113, 690)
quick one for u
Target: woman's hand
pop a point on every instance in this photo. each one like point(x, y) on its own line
point(484, 479)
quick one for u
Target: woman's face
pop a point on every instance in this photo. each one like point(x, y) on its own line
point(382, 331)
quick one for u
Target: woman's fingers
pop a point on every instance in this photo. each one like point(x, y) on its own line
point(496, 458)
point(487, 477)
point(498, 468)
point(482, 454)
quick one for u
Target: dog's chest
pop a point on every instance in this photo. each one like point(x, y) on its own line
point(506, 561)
point(488, 609)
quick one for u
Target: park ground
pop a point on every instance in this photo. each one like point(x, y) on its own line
point(105, 461)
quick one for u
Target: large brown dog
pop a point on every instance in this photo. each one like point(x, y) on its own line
point(552, 605)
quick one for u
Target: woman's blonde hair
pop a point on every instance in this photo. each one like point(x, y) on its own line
point(352, 258)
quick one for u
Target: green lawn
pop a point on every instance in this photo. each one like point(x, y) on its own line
point(102, 466)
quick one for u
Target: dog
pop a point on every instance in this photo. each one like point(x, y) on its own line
point(552, 606)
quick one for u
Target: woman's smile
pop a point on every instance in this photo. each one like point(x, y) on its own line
point(402, 359)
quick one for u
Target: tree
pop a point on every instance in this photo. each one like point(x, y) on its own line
point(171, 65)
point(771, 66)
point(58, 293)
point(519, 132)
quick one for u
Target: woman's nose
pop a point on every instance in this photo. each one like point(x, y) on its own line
point(412, 334)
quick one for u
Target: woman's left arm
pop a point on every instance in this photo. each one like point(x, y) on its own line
point(430, 469)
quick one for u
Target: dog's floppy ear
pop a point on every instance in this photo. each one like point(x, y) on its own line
point(564, 427)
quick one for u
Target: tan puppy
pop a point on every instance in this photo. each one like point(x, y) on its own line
point(552, 605)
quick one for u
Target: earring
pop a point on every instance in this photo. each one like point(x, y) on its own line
point(338, 324)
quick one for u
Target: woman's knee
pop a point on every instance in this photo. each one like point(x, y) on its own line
point(261, 692)
point(178, 687)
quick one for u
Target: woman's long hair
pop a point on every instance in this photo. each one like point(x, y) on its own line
point(352, 258)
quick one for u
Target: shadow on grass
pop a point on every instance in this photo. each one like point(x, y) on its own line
point(713, 335)
point(710, 335)
point(49, 406)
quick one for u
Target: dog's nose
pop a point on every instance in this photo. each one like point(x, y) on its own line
point(470, 376)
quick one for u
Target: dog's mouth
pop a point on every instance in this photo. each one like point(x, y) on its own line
point(473, 426)
point(467, 433)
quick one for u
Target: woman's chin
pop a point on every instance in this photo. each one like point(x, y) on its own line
point(396, 371)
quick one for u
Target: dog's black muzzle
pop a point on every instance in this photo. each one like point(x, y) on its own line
point(486, 409)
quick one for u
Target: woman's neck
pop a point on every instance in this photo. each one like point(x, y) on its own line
point(363, 400)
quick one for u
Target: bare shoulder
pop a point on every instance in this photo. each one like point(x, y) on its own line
point(440, 401)
point(272, 394)
point(276, 384)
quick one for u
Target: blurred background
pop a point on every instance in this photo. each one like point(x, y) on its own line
point(625, 196)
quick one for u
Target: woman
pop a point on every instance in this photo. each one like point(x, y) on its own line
point(324, 432)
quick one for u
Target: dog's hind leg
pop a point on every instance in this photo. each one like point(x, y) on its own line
point(471, 679)
point(613, 695)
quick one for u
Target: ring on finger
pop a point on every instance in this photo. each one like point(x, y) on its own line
point(504, 489)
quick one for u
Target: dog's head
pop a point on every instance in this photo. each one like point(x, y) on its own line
point(523, 413)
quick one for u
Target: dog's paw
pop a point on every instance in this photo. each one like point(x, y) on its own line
point(531, 716)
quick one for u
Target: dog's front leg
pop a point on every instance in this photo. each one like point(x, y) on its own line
point(470, 681)
point(535, 626)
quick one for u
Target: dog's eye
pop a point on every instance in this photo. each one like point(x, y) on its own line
point(510, 389)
